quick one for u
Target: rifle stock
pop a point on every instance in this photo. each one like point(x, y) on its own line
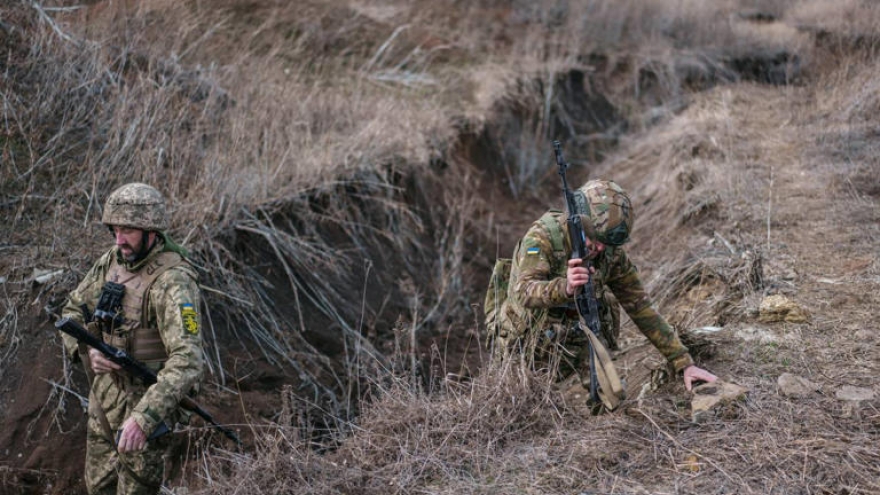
point(136, 369)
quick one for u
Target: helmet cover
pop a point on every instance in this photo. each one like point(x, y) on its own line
point(606, 211)
point(138, 206)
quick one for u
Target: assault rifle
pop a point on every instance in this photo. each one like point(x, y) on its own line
point(137, 370)
point(585, 297)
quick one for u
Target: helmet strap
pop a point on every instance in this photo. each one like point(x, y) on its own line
point(144, 249)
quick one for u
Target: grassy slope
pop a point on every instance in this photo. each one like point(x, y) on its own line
point(785, 175)
point(778, 172)
point(323, 98)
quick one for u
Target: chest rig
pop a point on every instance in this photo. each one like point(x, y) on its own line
point(132, 329)
point(609, 313)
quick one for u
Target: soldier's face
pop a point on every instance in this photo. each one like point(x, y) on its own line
point(595, 248)
point(130, 241)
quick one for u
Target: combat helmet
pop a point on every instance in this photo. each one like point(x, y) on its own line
point(138, 206)
point(606, 211)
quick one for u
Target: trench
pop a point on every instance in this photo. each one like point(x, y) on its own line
point(411, 247)
point(383, 273)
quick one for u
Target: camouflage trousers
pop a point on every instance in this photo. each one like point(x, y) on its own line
point(564, 348)
point(560, 349)
point(133, 473)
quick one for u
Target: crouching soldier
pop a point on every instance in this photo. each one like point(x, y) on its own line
point(538, 316)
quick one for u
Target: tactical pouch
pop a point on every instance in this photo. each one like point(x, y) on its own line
point(116, 340)
point(94, 328)
point(110, 301)
point(145, 345)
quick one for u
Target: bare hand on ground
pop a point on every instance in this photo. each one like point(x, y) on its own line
point(693, 374)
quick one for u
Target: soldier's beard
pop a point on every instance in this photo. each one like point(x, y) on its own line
point(139, 253)
point(132, 258)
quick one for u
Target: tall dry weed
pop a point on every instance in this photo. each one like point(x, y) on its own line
point(848, 99)
point(300, 165)
point(405, 439)
point(306, 157)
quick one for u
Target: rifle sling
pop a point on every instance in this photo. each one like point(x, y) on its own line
point(611, 390)
point(102, 416)
point(87, 365)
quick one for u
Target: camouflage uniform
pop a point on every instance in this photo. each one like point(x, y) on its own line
point(538, 315)
point(170, 305)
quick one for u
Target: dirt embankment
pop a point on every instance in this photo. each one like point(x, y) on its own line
point(746, 185)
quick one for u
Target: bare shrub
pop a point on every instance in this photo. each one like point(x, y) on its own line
point(845, 18)
point(405, 439)
point(232, 151)
point(306, 157)
point(10, 338)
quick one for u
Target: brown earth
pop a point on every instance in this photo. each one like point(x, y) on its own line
point(777, 172)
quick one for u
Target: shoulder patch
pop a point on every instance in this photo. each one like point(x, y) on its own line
point(533, 251)
point(190, 318)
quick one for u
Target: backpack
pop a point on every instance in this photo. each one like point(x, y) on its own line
point(499, 281)
point(496, 296)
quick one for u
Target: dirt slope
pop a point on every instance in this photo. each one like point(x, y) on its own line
point(744, 176)
point(745, 172)
point(794, 183)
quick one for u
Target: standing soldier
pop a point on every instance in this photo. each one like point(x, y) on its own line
point(539, 316)
point(145, 296)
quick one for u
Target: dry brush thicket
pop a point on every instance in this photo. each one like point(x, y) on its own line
point(334, 171)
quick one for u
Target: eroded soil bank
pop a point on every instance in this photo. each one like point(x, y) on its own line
point(753, 176)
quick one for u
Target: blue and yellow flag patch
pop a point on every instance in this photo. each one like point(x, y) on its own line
point(533, 251)
point(190, 318)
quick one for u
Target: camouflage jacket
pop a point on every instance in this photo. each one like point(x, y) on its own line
point(173, 299)
point(537, 298)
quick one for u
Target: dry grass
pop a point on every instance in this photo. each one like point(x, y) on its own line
point(313, 163)
point(282, 117)
point(508, 432)
point(405, 441)
point(847, 150)
point(847, 17)
point(303, 161)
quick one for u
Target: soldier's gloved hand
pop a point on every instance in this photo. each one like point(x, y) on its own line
point(100, 364)
point(131, 437)
point(576, 275)
point(693, 374)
